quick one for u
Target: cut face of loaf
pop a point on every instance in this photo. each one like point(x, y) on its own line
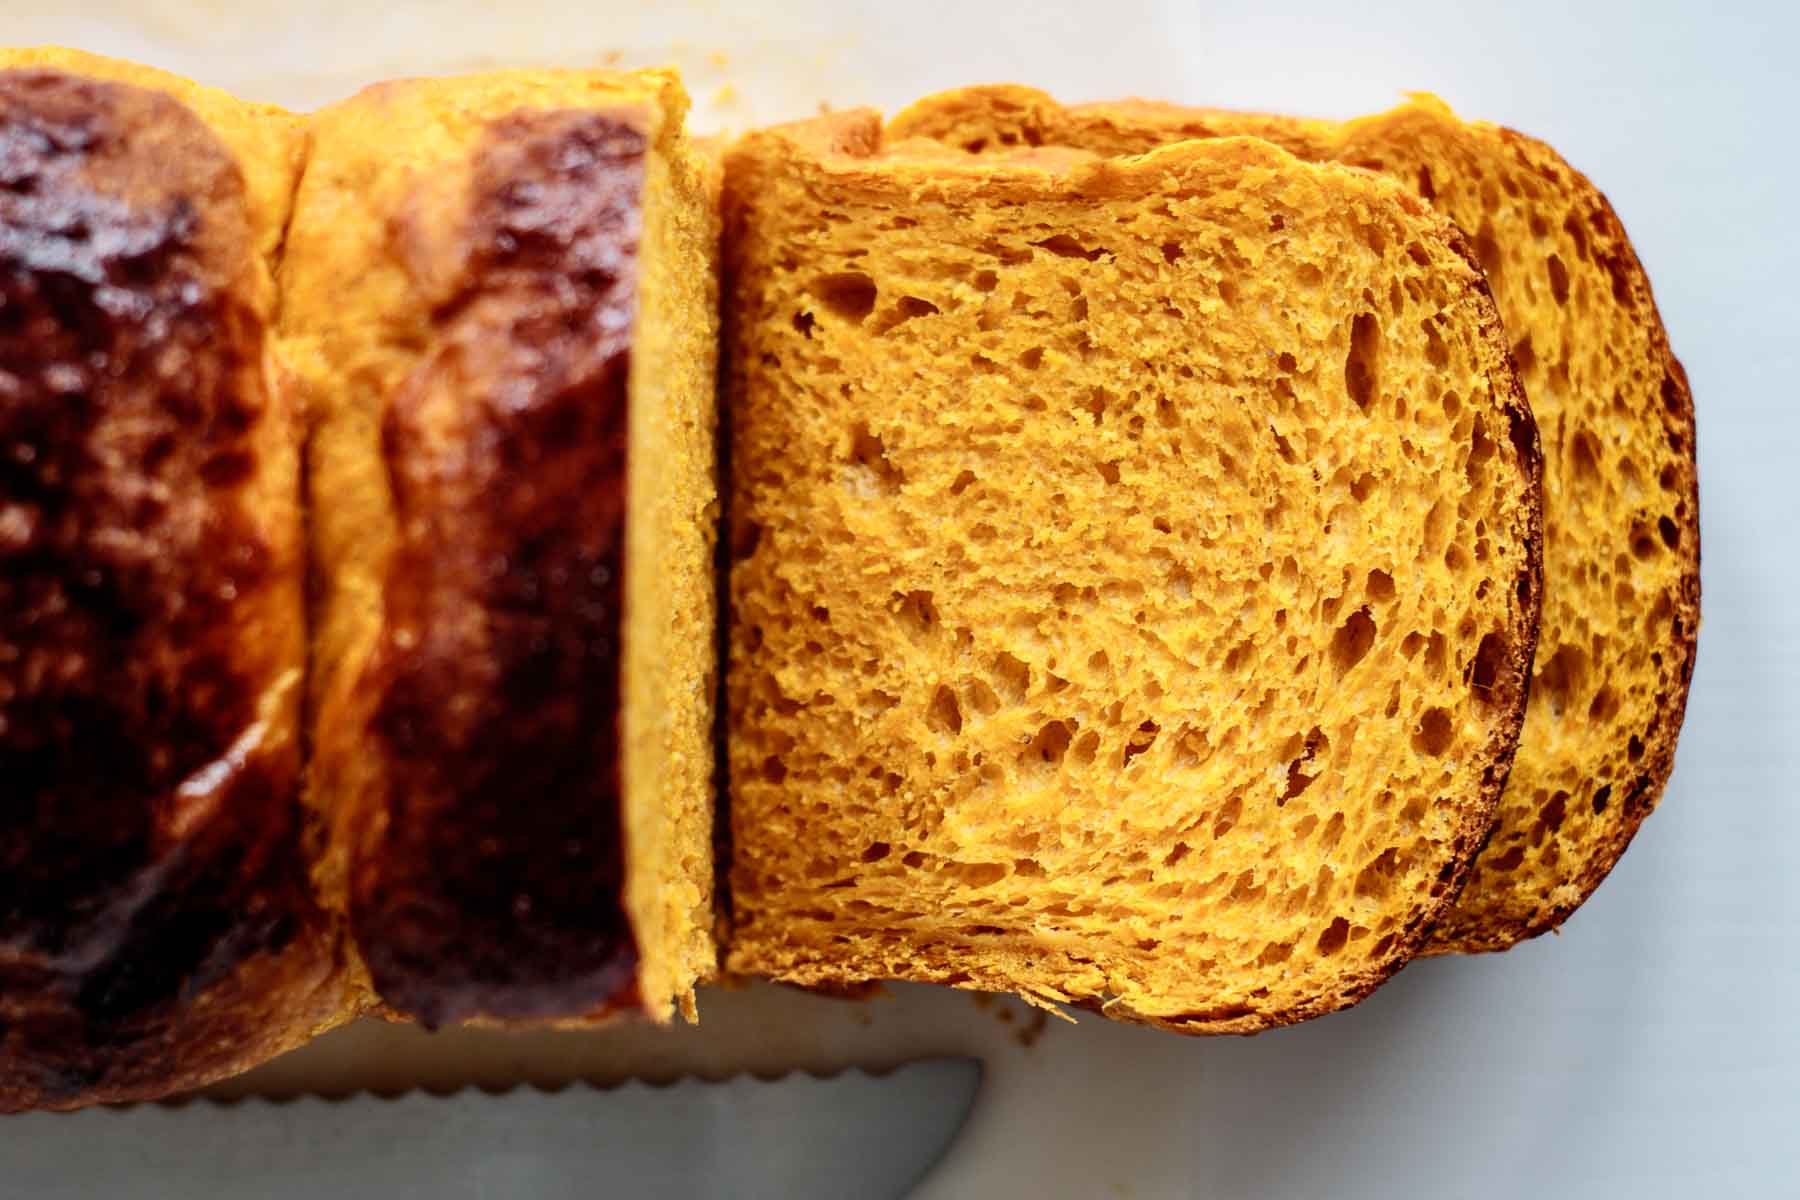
point(500, 298)
point(1134, 571)
point(157, 926)
point(1622, 546)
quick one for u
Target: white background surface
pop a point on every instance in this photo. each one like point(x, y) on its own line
point(1652, 1049)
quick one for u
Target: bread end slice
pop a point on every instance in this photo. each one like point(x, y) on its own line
point(499, 296)
point(157, 928)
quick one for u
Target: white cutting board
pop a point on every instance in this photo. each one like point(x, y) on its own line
point(1651, 1050)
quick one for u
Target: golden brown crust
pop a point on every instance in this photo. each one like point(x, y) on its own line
point(1003, 117)
point(157, 929)
point(485, 880)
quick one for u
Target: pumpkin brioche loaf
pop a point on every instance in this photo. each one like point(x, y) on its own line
point(1135, 571)
point(157, 926)
point(1622, 548)
point(500, 299)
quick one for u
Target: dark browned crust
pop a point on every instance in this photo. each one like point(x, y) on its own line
point(1640, 796)
point(486, 881)
point(157, 929)
point(726, 552)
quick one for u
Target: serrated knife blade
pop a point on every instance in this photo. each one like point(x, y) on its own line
point(798, 1136)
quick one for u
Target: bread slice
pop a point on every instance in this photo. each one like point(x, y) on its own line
point(500, 300)
point(1135, 571)
point(1622, 549)
point(157, 927)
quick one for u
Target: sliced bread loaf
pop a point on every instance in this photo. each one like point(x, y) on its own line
point(157, 925)
point(1134, 571)
point(1621, 506)
point(500, 299)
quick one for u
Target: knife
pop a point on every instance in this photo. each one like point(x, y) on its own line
point(856, 1133)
